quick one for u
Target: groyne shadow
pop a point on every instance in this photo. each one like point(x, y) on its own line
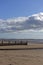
point(22, 49)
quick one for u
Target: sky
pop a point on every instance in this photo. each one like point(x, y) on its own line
point(21, 19)
point(17, 8)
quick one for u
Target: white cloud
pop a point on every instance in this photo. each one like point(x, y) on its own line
point(23, 24)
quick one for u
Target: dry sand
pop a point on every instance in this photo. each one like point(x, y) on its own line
point(21, 57)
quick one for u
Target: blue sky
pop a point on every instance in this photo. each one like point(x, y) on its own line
point(10, 9)
point(16, 8)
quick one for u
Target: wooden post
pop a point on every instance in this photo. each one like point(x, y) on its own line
point(15, 42)
point(2, 43)
point(21, 43)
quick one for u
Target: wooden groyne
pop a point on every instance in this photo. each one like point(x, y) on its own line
point(12, 42)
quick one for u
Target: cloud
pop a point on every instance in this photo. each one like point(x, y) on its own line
point(19, 24)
